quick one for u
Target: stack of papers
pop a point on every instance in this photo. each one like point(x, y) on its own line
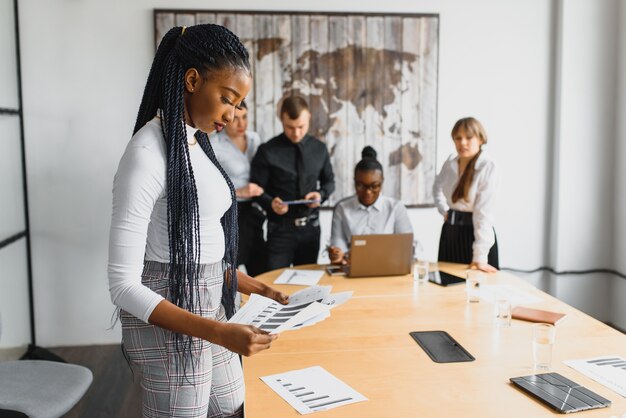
point(306, 307)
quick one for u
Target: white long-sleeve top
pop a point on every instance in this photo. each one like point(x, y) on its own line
point(139, 223)
point(480, 200)
point(235, 162)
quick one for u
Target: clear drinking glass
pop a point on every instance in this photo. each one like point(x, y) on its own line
point(543, 341)
point(503, 313)
point(420, 271)
point(472, 285)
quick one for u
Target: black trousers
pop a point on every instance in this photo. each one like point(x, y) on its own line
point(252, 245)
point(288, 244)
point(455, 245)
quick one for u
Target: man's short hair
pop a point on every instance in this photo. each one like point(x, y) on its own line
point(293, 106)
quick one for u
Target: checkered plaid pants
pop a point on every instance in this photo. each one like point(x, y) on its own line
point(214, 387)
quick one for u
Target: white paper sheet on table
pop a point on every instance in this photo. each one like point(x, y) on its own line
point(320, 294)
point(609, 371)
point(309, 294)
point(299, 277)
point(490, 293)
point(312, 389)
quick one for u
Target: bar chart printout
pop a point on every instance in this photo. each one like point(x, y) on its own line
point(312, 389)
point(608, 370)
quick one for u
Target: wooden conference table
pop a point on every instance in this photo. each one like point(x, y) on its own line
point(366, 344)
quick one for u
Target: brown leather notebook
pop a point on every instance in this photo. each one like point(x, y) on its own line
point(537, 315)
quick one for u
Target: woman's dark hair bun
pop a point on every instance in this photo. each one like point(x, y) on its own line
point(368, 161)
point(368, 152)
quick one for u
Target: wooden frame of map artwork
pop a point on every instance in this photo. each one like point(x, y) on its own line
point(369, 79)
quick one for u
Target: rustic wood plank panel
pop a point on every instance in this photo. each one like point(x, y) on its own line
point(357, 40)
point(185, 19)
point(282, 65)
point(202, 18)
point(428, 100)
point(339, 63)
point(374, 134)
point(300, 72)
point(413, 186)
point(163, 22)
point(228, 20)
point(320, 70)
point(245, 31)
point(390, 150)
point(264, 64)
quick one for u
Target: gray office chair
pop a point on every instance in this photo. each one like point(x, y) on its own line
point(42, 389)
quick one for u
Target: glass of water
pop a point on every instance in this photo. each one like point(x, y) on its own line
point(420, 271)
point(503, 313)
point(472, 285)
point(543, 341)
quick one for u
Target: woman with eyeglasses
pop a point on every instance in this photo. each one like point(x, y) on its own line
point(366, 212)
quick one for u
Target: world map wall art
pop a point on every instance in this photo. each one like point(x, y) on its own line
point(369, 79)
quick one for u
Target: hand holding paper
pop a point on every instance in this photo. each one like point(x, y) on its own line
point(306, 307)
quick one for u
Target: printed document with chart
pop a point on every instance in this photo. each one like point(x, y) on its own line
point(313, 389)
point(607, 370)
point(306, 307)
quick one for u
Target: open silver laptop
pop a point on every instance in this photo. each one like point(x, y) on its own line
point(380, 255)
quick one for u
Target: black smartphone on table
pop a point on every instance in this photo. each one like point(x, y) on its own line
point(336, 270)
point(444, 279)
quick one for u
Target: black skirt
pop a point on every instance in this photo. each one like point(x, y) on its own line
point(455, 244)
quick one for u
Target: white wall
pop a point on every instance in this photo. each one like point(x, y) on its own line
point(85, 65)
point(585, 141)
point(618, 290)
point(587, 134)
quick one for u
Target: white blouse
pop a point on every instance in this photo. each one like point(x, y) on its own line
point(139, 222)
point(480, 200)
point(233, 161)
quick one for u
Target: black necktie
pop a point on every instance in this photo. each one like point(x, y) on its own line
point(300, 169)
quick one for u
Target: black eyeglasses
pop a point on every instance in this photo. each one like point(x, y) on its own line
point(374, 187)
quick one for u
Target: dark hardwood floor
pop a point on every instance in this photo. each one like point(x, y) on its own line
point(113, 392)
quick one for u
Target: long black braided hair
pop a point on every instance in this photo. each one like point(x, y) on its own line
point(206, 48)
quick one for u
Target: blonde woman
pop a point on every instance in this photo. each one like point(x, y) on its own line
point(464, 193)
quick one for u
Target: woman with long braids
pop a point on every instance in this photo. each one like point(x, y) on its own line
point(173, 243)
point(464, 193)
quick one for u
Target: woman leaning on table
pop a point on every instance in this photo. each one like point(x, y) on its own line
point(464, 193)
point(173, 241)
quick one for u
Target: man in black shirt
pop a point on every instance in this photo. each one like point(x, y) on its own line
point(293, 166)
